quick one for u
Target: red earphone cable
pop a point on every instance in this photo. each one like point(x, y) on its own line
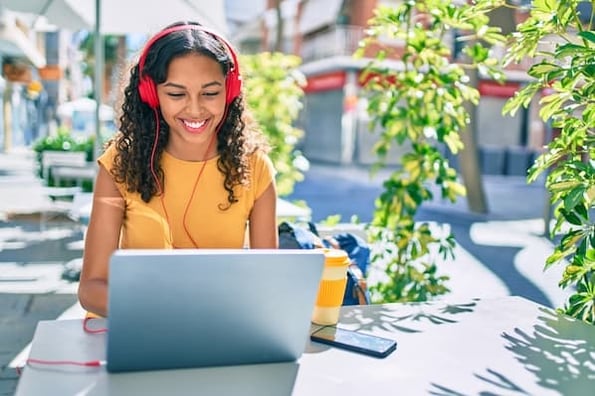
point(152, 166)
point(202, 168)
point(87, 329)
point(153, 150)
point(89, 363)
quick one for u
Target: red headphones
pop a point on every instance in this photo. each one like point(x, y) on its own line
point(147, 88)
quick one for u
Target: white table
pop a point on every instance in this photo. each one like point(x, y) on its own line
point(504, 346)
point(289, 211)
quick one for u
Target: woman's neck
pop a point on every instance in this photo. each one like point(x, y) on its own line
point(188, 152)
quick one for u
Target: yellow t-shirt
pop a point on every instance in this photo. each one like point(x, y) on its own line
point(147, 226)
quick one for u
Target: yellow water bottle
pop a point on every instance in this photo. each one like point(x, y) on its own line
point(332, 287)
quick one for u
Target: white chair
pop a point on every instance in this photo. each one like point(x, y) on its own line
point(60, 203)
point(80, 207)
point(62, 165)
point(52, 158)
point(79, 212)
point(291, 212)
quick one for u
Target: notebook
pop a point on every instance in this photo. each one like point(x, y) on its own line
point(205, 307)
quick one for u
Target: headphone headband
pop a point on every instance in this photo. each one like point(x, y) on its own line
point(147, 87)
point(165, 32)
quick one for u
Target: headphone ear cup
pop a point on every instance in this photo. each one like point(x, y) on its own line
point(148, 92)
point(233, 86)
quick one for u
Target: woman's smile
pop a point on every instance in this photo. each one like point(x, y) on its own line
point(195, 126)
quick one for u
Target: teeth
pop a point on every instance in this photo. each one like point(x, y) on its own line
point(194, 125)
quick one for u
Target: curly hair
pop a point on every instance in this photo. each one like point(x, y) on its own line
point(237, 138)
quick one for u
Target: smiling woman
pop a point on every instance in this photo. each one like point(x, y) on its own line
point(187, 168)
point(192, 105)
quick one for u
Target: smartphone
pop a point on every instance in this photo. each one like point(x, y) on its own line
point(354, 341)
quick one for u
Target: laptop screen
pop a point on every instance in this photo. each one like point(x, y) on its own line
point(209, 307)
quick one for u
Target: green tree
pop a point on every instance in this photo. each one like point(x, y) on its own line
point(274, 94)
point(561, 40)
point(114, 51)
point(280, 27)
point(422, 103)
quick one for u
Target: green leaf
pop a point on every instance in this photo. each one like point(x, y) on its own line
point(540, 69)
point(571, 217)
point(554, 258)
point(521, 98)
point(574, 197)
point(545, 5)
point(570, 240)
point(588, 35)
point(589, 71)
point(581, 210)
point(568, 50)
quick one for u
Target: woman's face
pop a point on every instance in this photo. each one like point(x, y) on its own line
point(192, 101)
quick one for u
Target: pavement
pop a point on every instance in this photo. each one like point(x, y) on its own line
point(499, 253)
point(33, 256)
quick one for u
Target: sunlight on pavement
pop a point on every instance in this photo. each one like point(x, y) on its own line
point(530, 260)
point(34, 278)
point(468, 277)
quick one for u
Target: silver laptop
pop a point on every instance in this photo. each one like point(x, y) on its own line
point(196, 308)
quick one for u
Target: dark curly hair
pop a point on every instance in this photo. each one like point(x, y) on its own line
point(238, 136)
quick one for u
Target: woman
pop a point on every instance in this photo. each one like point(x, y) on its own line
point(187, 168)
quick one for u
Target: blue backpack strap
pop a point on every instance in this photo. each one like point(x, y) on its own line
point(357, 249)
point(305, 238)
point(356, 291)
point(293, 236)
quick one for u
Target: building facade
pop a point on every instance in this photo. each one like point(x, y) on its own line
point(21, 56)
point(325, 34)
point(36, 77)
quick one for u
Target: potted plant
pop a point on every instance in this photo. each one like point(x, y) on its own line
point(62, 141)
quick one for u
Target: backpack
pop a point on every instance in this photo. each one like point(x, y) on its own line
point(293, 236)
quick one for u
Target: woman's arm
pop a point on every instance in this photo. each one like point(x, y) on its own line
point(263, 220)
point(101, 240)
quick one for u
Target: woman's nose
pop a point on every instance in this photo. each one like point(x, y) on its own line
point(194, 106)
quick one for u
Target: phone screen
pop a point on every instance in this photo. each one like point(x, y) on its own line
point(355, 341)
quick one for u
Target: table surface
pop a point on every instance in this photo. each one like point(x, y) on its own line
point(497, 346)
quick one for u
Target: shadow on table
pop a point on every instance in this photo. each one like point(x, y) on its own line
point(560, 353)
point(407, 318)
point(492, 377)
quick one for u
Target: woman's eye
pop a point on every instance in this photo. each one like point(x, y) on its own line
point(211, 93)
point(175, 95)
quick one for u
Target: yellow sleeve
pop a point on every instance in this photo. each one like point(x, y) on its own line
point(107, 161)
point(263, 173)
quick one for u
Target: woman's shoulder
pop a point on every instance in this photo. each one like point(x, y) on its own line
point(260, 157)
point(261, 163)
point(107, 157)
